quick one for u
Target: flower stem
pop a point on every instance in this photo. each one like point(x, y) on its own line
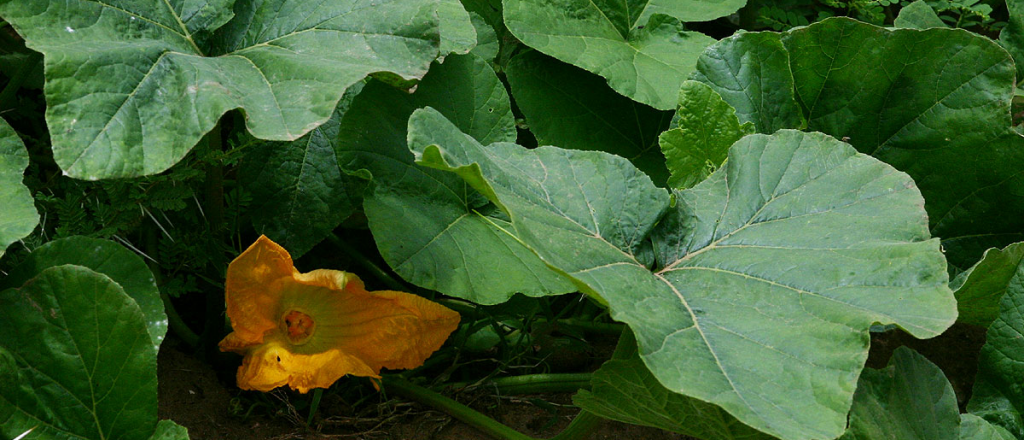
point(535, 383)
point(580, 428)
point(317, 394)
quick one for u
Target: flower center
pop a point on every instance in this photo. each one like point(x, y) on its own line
point(299, 326)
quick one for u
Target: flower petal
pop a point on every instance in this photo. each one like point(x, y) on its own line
point(253, 289)
point(399, 330)
point(384, 328)
point(273, 365)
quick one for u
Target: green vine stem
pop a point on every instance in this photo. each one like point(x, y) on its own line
point(214, 212)
point(601, 328)
point(580, 428)
point(177, 325)
point(534, 383)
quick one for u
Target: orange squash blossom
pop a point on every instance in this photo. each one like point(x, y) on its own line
point(307, 330)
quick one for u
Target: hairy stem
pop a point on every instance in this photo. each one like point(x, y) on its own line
point(535, 383)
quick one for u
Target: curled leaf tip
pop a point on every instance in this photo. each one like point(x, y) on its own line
point(307, 330)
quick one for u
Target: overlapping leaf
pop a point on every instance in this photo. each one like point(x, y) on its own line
point(572, 108)
point(980, 289)
point(768, 275)
point(998, 394)
point(132, 86)
point(487, 46)
point(625, 390)
point(458, 35)
point(18, 217)
point(919, 15)
point(973, 427)
point(705, 129)
point(430, 227)
point(76, 360)
point(910, 399)
point(933, 103)
point(751, 72)
point(108, 258)
point(1012, 36)
point(299, 192)
point(640, 47)
point(168, 430)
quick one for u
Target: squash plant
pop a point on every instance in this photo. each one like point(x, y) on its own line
point(750, 205)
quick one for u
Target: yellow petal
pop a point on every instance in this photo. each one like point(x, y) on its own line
point(253, 289)
point(273, 365)
point(398, 330)
point(384, 328)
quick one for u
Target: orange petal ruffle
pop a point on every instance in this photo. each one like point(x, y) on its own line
point(356, 332)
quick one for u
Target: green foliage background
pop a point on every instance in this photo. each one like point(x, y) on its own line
point(741, 189)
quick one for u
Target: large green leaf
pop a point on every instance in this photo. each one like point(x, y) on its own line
point(769, 273)
point(19, 216)
point(299, 192)
point(130, 86)
point(640, 47)
point(751, 72)
point(624, 389)
point(998, 394)
point(910, 399)
point(926, 102)
point(980, 289)
point(705, 129)
point(76, 361)
point(108, 258)
point(430, 227)
point(571, 108)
